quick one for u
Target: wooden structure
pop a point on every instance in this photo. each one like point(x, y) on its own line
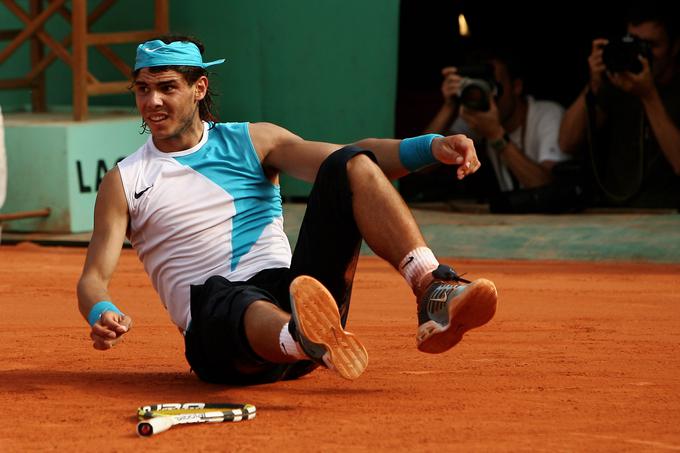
point(80, 39)
point(25, 215)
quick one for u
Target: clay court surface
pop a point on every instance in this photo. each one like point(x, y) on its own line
point(580, 357)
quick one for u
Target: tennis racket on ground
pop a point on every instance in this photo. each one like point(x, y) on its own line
point(157, 418)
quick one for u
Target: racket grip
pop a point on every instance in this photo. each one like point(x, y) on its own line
point(154, 425)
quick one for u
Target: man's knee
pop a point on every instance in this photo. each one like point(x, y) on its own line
point(339, 176)
point(338, 163)
point(361, 169)
point(361, 162)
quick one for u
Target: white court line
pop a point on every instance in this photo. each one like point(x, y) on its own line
point(632, 441)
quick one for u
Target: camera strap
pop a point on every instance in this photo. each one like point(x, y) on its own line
point(591, 127)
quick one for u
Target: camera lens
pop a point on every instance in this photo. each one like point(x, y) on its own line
point(475, 93)
point(475, 98)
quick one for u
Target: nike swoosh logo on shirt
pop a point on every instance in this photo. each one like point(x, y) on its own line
point(139, 194)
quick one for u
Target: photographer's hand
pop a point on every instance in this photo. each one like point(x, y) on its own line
point(596, 64)
point(640, 85)
point(450, 84)
point(487, 124)
point(449, 109)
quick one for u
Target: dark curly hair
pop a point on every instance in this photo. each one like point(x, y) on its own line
point(664, 13)
point(206, 106)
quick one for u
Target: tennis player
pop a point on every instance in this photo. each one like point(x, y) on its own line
point(200, 203)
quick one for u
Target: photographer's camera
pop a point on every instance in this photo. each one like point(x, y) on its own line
point(477, 87)
point(623, 54)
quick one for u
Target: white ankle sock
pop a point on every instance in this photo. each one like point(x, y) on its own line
point(289, 346)
point(416, 264)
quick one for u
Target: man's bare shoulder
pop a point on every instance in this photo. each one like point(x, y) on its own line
point(269, 130)
point(112, 174)
point(111, 186)
point(267, 137)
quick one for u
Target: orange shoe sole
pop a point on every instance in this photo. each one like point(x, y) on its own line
point(318, 319)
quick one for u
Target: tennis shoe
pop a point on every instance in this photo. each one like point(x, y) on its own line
point(316, 326)
point(449, 306)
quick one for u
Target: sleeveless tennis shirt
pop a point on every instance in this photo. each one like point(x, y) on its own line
point(208, 210)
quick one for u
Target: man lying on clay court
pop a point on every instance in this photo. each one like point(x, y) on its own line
point(200, 203)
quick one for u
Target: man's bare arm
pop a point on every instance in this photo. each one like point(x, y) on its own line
point(284, 151)
point(110, 224)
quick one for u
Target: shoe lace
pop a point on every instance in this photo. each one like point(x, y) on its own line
point(449, 280)
point(444, 272)
point(434, 303)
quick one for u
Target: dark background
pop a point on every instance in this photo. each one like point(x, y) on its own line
point(551, 39)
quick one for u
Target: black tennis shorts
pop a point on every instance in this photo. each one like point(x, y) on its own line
point(327, 249)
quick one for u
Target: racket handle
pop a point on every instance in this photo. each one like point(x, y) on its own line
point(154, 426)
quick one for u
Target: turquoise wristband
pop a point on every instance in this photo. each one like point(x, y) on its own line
point(98, 309)
point(416, 152)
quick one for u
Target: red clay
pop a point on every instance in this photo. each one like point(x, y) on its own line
point(580, 357)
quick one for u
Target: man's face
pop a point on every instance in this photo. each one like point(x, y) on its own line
point(167, 103)
point(663, 52)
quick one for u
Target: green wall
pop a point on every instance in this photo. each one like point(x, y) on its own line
point(325, 69)
point(60, 164)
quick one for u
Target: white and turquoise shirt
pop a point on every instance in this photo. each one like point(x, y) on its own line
point(208, 210)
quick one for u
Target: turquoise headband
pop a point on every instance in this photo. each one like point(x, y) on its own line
point(178, 53)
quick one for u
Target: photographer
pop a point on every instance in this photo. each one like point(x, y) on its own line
point(626, 119)
point(518, 133)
